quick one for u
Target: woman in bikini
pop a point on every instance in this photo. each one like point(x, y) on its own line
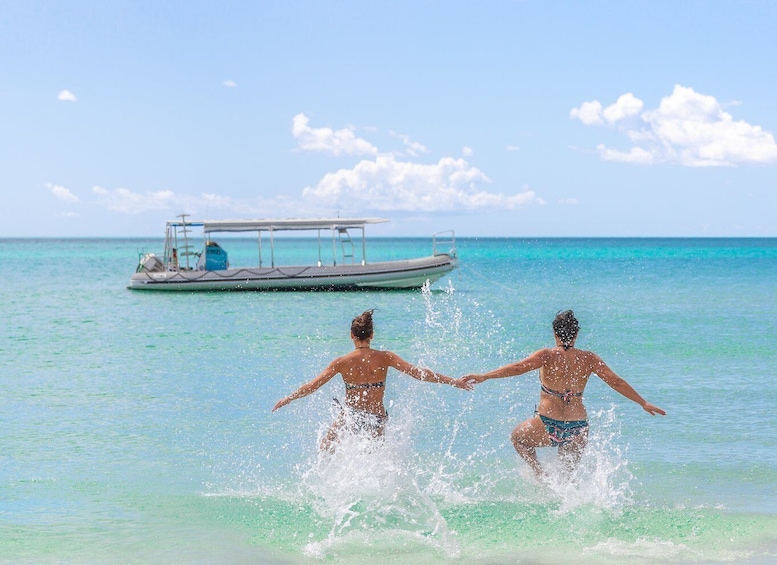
point(561, 419)
point(364, 373)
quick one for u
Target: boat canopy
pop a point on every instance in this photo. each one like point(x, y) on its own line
point(210, 226)
point(178, 249)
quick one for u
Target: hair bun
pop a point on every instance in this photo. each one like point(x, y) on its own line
point(361, 326)
point(566, 326)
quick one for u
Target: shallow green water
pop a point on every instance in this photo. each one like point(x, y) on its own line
point(136, 427)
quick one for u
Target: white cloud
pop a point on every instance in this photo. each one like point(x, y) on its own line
point(590, 113)
point(412, 148)
point(384, 182)
point(217, 202)
point(390, 183)
point(61, 193)
point(204, 206)
point(593, 113)
point(230, 84)
point(513, 148)
point(626, 106)
point(635, 155)
point(387, 184)
point(128, 202)
point(688, 128)
point(335, 142)
point(66, 96)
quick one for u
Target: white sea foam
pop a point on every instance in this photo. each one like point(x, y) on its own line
point(602, 479)
point(654, 550)
point(369, 487)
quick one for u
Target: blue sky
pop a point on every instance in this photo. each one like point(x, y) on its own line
point(498, 118)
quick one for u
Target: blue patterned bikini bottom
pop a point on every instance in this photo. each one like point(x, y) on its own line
point(361, 421)
point(562, 432)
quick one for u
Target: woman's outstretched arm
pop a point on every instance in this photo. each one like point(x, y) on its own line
point(530, 363)
point(620, 385)
point(311, 387)
point(423, 374)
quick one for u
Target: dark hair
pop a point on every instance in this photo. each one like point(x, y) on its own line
point(565, 327)
point(361, 327)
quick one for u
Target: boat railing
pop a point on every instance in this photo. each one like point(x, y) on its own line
point(443, 240)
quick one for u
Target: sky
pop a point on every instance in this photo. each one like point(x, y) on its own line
point(494, 118)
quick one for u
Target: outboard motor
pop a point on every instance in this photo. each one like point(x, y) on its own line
point(150, 263)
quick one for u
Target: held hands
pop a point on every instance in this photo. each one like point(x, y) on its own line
point(462, 383)
point(473, 379)
point(653, 409)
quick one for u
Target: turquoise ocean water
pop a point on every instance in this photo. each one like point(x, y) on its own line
point(136, 427)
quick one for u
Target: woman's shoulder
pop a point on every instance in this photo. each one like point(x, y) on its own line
point(580, 354)
point(383, 353)
point(347, 358)
point(548, 352)
point(358, 355)
point(540, 357)
point(589, 357)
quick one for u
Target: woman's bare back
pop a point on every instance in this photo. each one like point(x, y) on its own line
point(364, 373)
point(564, 375)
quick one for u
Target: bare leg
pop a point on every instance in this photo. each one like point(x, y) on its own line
point(379, 432)
point(571, 452)
point(332, 436)
point(526, 437)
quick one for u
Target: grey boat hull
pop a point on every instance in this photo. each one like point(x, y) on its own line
point(406, 274)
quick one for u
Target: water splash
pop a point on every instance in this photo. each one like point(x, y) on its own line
point(368, 489)
point(456, 326)
point(602, 479)
point(388, 495)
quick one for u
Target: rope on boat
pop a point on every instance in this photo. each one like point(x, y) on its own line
point(179, 276)
point(295, 275)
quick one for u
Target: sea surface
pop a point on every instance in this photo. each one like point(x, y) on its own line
point(135, 427)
